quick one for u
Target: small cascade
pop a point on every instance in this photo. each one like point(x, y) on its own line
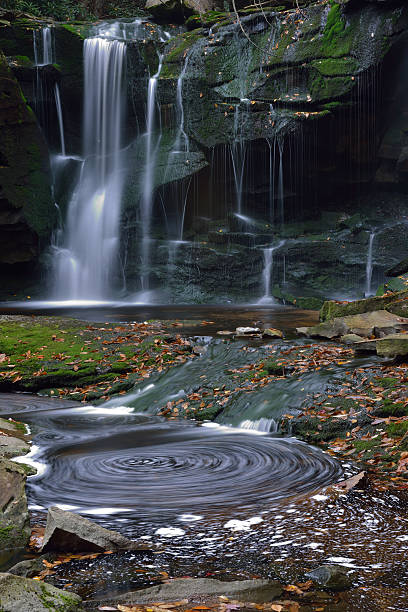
point(43, 46)
point(85, 261)
point(146, 207)
point(60, 118)
point(181, 142)
point(369, 265)
point(262, 425)
point(44, 53)
point(267, 274)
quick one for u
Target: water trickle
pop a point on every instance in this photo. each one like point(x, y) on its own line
point(59, 116)
point(84, 263)
point(152, 145)
point(267, 274)
point(369, 265)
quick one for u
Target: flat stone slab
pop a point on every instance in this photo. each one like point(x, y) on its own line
point(19, 594)
point(70, 532)
point(257, 591)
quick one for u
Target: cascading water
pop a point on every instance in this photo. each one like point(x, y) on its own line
point(146, 207)
point(369, 265)
point(267, 274)
point(85, 262)
point(58, 106)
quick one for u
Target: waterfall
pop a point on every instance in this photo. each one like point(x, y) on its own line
point(43, 47)
point(263, 425)
point(148, 180)
point(238, 154)
point(59, 116)
point(85, 262)
point(267, 274)
point(369, 265)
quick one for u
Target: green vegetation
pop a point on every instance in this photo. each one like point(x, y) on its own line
point(397, 429)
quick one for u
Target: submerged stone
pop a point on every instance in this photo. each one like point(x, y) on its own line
point(69, 532)
point(333, 577)
point(258, 591)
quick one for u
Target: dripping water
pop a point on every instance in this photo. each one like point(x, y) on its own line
point(369, 265)
point(148, 181)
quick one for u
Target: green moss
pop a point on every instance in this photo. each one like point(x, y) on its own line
point(366, 445)
point(390, 408)
point(388, 382)
point(327, 88)
point(336, 66)
point(397, 429)
point(273, 367)
point(333, 34)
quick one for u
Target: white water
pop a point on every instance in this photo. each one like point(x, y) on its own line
point(263, 424)
point(369, 265)
point(148, 182)
point(59, 116)
point(267, 274)
point(85, 262)
point(43, 47)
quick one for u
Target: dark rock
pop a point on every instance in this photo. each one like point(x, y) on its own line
point(258, 591)
point(19, 594)
point(398, 270)
point(333, 577)
point(69, 532)
point(30, 567)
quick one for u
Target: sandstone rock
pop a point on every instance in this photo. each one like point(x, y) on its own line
point(69, 532)
point(14, 519)
point(332, 577)
point(244, 590)
point(363, 324)
point(272, 333)
point(19, 594)
point(394, 345)
point(331, 309)
point(225, 332)
point(12, 447)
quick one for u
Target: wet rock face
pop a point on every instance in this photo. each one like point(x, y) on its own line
point(331, 577)
point(26, 211)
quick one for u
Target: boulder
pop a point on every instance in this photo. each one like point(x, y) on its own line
point(394, 345)
point(331, 309)
point(12, 447)
point(69, 532)
point(30, 567)
point(258, 591)
point(272, 333)
point(378, 323)
point(333, 577)
point(14, 519)
point(19, 594)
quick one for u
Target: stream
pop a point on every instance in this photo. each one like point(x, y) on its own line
point(230, 499)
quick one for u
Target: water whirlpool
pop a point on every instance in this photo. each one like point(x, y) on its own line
point(155, 468)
